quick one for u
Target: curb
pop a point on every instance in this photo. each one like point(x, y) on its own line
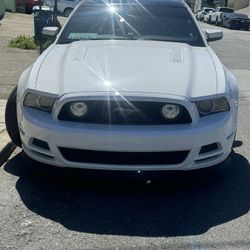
point(6, 152)
point(7, 147)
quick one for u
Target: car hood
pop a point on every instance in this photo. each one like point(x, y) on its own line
point(145, 67)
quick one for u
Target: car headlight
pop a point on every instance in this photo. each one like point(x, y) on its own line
point(211, 106)
point(39, 101)
point(170, 111)
point(78, 109)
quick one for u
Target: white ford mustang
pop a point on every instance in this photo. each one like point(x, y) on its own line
point(127, 85)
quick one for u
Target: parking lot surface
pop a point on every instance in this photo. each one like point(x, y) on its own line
point(14, 61)
point(51, 212)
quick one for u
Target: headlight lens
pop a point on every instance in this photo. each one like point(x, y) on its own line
point(78, 109)
point(39, 101)
point(211, 106)
point(205, 107)
point(170, 111)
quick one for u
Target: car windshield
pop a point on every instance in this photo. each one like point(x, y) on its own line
point(238, 15)
point(228, 10)
point(208, 9)
point(132, 22)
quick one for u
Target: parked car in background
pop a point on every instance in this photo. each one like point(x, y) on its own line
point(122, 88)
point(26, 6)
point(29, 4)
point(207, 17)
point(215, 16)
point(235, 21)
point(64, 7)
point(201, 13)
point(2, 9)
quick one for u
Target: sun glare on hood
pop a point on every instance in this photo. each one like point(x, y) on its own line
point(111, 8)
point(107, 83)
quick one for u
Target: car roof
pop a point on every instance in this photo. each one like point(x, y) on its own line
point(221, 7)
point(169, 3)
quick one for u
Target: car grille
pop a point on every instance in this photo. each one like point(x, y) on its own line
point(123, 158)
point(124, 113)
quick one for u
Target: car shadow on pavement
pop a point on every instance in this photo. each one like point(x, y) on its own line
point(158, 209)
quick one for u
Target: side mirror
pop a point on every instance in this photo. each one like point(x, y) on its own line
point(213, 35)
point(50, 32)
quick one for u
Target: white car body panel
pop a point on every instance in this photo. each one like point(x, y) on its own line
point(86, 66)
point(134, 139)
point(134, 70)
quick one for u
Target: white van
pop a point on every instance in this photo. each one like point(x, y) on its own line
point(2, 9)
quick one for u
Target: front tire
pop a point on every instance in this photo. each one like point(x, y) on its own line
point(11, 118)
point(217, 23)
point(209, 20)
point(229, 25)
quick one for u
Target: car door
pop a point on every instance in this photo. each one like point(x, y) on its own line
point(224, 20)
point(214, 14)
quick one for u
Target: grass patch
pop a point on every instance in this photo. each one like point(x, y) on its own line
point(23, 42)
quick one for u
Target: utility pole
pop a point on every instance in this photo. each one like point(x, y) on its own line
point(40, 27)
point(55, 20)
point(55, 10)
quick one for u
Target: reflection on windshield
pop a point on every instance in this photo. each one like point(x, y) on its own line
point(132, 22)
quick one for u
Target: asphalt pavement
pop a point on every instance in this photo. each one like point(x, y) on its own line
point(44, 211)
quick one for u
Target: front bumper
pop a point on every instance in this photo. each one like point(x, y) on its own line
point(219, 128)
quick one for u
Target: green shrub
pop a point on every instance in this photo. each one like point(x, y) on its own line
point(23, 42)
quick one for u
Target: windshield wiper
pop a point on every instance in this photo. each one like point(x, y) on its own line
point(96, 39)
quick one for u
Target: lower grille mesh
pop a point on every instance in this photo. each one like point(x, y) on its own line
point(123, 158)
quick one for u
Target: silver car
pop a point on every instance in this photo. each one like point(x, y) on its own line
point(63, 6)
point(200, 14)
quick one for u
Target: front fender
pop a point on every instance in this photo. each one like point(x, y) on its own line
point(232, 84)
point(23, 83)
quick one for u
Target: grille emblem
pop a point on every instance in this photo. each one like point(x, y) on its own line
point(125, 112)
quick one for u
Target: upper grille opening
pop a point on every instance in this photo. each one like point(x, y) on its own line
point(124, 113)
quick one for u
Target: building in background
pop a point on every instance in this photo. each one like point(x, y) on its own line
point(10, 5)
point(2, 9)
point(238, 4)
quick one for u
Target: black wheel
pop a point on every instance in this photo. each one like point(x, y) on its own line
point(209, 20)
point(67, 12)
point(11, 119)
point(217, 23)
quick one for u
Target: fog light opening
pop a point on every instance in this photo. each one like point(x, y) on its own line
point(209, 148)
point(41, 144)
